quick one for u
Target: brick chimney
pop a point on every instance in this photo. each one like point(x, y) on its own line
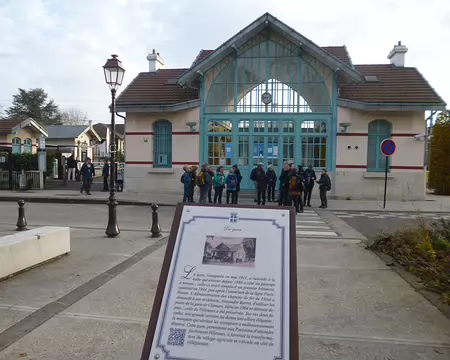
point(155, 62)
point(397, 54)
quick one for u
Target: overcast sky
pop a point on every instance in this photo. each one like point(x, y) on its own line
point(61, 45)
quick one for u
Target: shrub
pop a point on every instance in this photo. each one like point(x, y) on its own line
point(424, 251)
point(439, 166)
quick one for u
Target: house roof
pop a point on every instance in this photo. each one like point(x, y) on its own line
point(7, 125)
point(161, 90)
point(68, 131)
point(100, 129)
point(393, 84)
point(157, 88)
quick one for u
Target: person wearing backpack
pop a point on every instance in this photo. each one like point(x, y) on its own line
point(310, 177)
point(324, 186)
point(284, 186)
point(232, 184)
point(203, 181)
point(186, 180)
point(219, 184)
point(295, 190)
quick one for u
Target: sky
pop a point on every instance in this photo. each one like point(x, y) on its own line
point(61, 45)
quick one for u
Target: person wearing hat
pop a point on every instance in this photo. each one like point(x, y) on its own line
point(261, 184)
point(324, 186)
point(87, 172)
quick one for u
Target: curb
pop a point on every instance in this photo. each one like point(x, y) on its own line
point(63, 200)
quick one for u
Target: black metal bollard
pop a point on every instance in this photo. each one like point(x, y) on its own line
point(21, 221)
point(156, 228)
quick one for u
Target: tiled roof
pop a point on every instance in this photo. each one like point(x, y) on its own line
point(64, 131)
point(156, 88)
point(394, 85)
point(100, 129)
point(7, 125)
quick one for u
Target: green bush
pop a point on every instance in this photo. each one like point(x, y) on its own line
point(439, 166)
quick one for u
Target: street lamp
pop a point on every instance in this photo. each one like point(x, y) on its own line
point(113, 76)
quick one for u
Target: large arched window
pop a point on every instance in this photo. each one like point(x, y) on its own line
point(162, 143)
point(28, 146)
point(16, 146)
point(379, 130)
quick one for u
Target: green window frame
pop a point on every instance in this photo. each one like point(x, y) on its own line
point(379, 130)
point(27, 146)
point(16, 146)
point(162, 144)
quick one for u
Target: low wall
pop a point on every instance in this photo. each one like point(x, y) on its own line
point(27, 249)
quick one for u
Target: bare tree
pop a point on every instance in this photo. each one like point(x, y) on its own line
point(74, 116)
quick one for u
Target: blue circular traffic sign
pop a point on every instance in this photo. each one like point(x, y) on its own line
point(388, 147)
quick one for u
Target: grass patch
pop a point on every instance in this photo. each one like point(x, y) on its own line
point(422, 250)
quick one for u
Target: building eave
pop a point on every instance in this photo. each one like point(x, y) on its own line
point(32, 123)
point(159, 108)
point(253, 29)
point(383, 106)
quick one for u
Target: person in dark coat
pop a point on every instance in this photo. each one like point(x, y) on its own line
point(295, 189)
point(193, 177)
point(324, 186)
point(204, 176)
point(253, 179)
point(271, 182)
point(261, 184)
point(71, 165)
point(237, 172)
point(211, 174)
point(231, 181)
point(310, 177)
point(284, 186)
point(105, 175)
point(87, 173)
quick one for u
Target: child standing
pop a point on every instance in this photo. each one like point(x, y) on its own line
point(232, 183)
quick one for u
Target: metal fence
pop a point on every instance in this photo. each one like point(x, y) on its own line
point(32, 179)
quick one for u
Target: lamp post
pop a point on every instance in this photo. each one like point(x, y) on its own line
point(113, 76)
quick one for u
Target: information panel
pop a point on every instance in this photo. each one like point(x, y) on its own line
point(228, 286)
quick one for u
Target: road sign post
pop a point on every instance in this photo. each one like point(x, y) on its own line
point(387, 149)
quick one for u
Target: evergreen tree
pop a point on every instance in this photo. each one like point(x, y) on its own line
point(34, 103)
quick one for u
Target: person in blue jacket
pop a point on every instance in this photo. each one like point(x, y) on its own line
point(232, 182)
point(186, 180)
point(87, 172)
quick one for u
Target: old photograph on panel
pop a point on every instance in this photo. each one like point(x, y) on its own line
point(229, 251)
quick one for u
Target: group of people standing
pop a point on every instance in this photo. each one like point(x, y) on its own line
point(207, 180)
point(296, 185)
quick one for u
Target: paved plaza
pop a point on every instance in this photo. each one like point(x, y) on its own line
point(95, 303)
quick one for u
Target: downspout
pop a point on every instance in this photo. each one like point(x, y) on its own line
point(427, 134)
point(124, 120)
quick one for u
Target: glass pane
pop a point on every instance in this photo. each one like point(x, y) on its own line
point(288, 148)
point(259, 152)
point(372, 150)
point(243, 153)
point(314, 151)
point(244, 126)
point(162, 144)
point(219, 150)
point(219, 126)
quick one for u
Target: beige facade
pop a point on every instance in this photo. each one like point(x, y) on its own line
point(23, 137)
point(141, 175)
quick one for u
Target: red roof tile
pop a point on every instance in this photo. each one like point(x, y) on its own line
point(7, 125)
point(156, 88)
point(395, 85)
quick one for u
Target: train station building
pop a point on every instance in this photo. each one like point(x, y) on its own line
point(270, 95)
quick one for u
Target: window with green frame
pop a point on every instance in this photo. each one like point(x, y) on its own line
point(379, 130)
point(219, 150)
point(16, 146)
point(28, 146)
point(162, 144)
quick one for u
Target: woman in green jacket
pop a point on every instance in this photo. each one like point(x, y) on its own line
point(219, 184)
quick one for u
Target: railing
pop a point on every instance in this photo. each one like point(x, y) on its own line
point(32, 179)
